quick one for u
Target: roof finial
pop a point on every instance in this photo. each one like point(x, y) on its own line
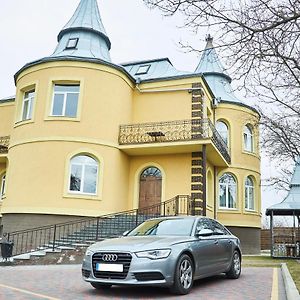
point(209, 40)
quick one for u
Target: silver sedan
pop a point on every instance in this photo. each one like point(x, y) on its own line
point(169, 251)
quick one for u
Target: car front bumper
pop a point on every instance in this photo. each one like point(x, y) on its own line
point(142, 272)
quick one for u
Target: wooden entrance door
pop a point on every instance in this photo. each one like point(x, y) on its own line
point(150, 187)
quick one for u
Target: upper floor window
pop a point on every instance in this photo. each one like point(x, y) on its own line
point(83, 175)
point(249, 193)
point(227, 191)
point(2, 186)
point(72, 43)
point(248, 138)
point(223, 130)
point(143, 70)
point(27, 105)
point(65, 100)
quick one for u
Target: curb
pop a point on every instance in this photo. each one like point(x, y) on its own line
point(290, 287)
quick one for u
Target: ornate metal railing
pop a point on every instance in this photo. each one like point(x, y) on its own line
point(4, 143)
point(89, 230)
point(173, 131)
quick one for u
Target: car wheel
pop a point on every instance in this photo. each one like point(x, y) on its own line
point(100, 286)
point(183, 277)
point(235, 267)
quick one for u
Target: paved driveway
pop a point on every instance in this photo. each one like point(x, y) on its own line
point(64, 282)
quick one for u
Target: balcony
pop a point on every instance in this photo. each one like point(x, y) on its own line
point(185, 134)
point(4, 143)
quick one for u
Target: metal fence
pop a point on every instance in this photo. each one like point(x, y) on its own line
point(173, 131)
point(89, 230)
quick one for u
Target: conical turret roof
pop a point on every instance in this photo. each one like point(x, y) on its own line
point(292, 200)
point(84, 35)
point(215, 74)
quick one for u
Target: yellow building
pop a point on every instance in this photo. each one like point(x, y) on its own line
point(86, 137)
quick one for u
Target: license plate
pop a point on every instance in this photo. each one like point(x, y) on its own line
point(109, 267)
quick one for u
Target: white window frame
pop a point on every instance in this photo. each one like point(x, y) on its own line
point(226, 185)
point(83, 166)
point(3, 186)
point(248, 139)
point(65, 95)
point(72, 43)
point(248, 189)
point(29, 107)
point(143, 69)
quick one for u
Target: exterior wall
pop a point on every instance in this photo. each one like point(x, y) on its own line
point(7, 112)
point(163, 106)
point(40, 149)
point(243, 164)
point(16, 222)
point(249, 237)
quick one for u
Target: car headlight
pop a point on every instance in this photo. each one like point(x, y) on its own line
point(89, 252)
point(154, 254)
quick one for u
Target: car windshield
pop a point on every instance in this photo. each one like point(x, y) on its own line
point(164, 227)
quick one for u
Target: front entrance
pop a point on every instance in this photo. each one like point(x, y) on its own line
point(150, 187)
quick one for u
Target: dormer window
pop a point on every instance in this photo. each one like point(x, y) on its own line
point(72, 43)
point(143, 70)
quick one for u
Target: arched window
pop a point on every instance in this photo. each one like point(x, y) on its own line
point(223, 131)
point(151, 171)
point(249, 193)
point(227, 191)
point(83, 175)
point(2, 186)
point(248, 138)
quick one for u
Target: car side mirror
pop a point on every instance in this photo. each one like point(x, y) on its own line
point(204, 232)
point(125, 233)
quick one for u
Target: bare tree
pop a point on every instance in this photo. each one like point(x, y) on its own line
point(260, 41)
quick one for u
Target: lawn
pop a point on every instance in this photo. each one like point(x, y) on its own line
point(266, 261)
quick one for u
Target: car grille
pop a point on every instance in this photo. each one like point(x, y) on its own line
point(148, 276)
point(123, 258)
point(86, 273)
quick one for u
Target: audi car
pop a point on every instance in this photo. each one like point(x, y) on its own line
point(167, 252)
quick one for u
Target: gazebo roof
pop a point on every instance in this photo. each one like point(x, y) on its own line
point(291, 204)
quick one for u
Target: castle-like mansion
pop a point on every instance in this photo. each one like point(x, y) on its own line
point(86, 137)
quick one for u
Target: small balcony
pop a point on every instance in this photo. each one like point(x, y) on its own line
point(4, 143)
point(187, 134)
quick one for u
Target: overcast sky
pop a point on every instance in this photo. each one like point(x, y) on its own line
point(29, 29)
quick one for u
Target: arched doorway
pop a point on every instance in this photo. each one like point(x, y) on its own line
point(150, 187)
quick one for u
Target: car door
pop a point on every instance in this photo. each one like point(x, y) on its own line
point(224, 246)
point(204, 250)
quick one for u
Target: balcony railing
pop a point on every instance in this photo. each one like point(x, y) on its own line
point(4, 143)
point(173, 131)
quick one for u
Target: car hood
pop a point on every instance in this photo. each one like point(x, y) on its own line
point(138, 243)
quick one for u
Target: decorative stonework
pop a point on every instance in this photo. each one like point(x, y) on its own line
point(197, 157)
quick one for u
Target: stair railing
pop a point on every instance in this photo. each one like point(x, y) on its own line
point(95, 228)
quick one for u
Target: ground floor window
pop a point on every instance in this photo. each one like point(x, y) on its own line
point(227, 191)
point(249, 193)
point(83, 175)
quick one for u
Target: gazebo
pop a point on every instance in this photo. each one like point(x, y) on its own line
point(285, 242)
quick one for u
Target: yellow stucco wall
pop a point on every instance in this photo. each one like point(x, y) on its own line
point(243, 164)
point(41, 148)
point(7, 111)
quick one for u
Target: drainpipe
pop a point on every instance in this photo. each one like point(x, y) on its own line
point(204, 178)
point(215, 193)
